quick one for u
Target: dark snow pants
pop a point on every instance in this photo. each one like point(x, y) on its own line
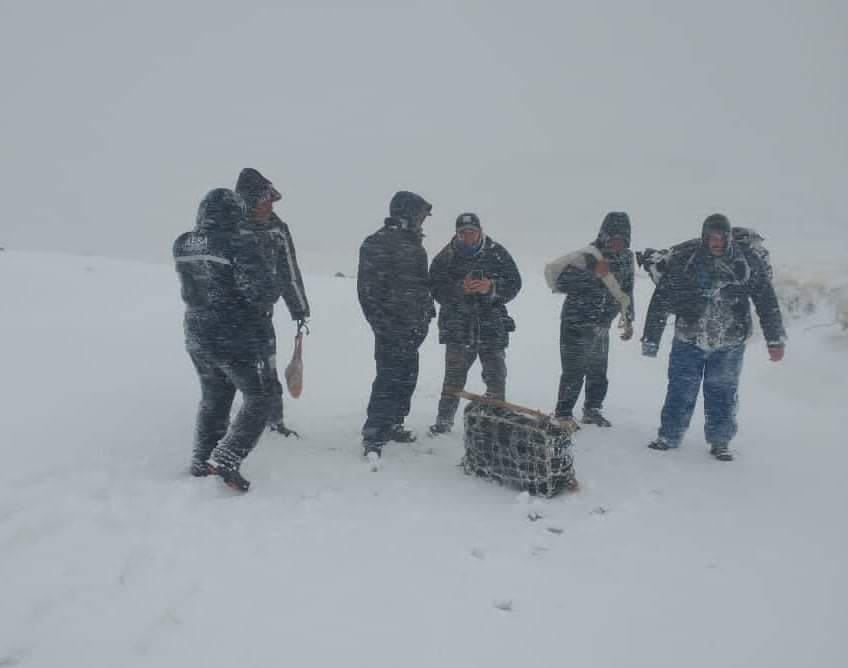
point(391, 392)
point(219, 380)
point(275, 411)
point(458, 361)
point(584, 354)
point(688, 365)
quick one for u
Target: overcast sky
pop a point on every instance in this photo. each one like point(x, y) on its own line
point(540, 116)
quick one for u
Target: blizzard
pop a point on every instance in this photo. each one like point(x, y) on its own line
point(112, 555)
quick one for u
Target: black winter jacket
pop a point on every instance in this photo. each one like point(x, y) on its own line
point(471, 319)
point(277, 251)
point(226, 286)
point(680, 291)
point(393, 285)
point(588, 301)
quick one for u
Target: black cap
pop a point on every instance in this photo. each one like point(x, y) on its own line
point(466, 221)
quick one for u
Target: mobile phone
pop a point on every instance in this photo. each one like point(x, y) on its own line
point(477, 275)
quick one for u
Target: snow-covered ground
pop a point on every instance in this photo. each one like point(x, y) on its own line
point(112, 556)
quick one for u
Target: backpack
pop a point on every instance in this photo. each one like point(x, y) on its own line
point(655, 261)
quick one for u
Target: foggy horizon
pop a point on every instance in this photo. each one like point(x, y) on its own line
point(539, 118)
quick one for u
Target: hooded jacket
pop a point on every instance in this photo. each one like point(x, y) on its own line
point(710, 296)
point(224, 283)
point(589, 301)
point(276, 241)
point(392, 281)
point(470, 319)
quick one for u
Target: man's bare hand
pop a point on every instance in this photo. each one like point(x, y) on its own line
point(601, 268)
point(476, 286)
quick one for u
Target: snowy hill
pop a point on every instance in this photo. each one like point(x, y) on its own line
point(113, 557)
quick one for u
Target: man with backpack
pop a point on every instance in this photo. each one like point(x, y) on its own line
point(708, 285)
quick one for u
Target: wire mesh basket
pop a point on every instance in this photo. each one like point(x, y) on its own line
point(529, 453)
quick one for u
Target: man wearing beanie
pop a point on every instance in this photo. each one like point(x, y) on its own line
point(709, 288)
point(395, 299)
point(598, 283)
point(472, 279)
point(275, 240)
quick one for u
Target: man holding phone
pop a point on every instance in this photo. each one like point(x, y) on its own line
point(472, 279)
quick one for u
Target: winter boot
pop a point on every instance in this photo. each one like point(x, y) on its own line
point(372, 446)
point(398, 434)
point(200, 468)
point(594, 416)
point(440, 428)
point(232, 478)
point(721, 452)
point(659, 443)
point(225, 464)
point(281, 429)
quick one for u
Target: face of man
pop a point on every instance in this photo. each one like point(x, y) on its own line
point(616, 244)
point(263, 210)
point(470, 236)
point(715, 244)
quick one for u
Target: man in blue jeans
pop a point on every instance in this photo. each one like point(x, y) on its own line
point(709, 289)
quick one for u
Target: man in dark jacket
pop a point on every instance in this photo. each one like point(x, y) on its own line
point(709, 289)
point(598, 282)
point(229, 295)
point(472, 279)
point(395, 298)
point(273, 234)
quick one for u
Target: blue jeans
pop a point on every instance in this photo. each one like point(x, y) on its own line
point(719, 369)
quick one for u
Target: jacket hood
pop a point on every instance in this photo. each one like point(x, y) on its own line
point(615, 224)
point(408, 206)
point(718, 224)
point(253, 187)
point(221, 210)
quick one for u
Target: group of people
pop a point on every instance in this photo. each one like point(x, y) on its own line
point(240, 259)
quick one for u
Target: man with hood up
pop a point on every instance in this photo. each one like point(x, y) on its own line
point(273, 234)
point(229, 293)
point(598, 283)
point(472, 279)
point(709, 290)
point(394, 294)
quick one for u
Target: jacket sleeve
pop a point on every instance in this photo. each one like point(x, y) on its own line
point(508, 279)
point(292, 290)
point(372, 284)
point(658, 312)
point(765, 302)
point(627, 285)
point(444, 290)
point(250, 273)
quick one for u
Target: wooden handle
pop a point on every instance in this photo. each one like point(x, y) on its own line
point(500, 403)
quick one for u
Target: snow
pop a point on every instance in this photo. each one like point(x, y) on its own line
point(111, 555)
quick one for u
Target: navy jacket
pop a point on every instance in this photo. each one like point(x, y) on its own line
point(714, 311)
point(471, 319)
point(226, 286)
point(392, 283)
